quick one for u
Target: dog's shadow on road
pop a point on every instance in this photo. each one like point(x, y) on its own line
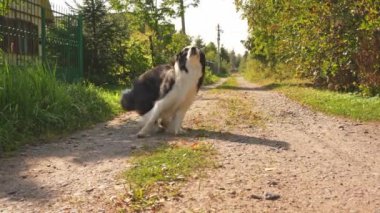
point(235, 138)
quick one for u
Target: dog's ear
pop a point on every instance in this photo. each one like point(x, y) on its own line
point(203, 61)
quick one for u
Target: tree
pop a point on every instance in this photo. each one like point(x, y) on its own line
point(99, 33)
point(224, 54)
point(234, 60)
point(181, 6)
point(334, 42)
point(152, 20)
point(199, 42)
point(211, 47)
point(178, 41)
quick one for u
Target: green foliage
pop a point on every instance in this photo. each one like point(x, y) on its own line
point(3, 10)
point(180, 6)
point(253, 69)
point(229, 60)
point(335, 42)
point(199, 43)
point(210, 77)
point(176, 5)
point(34, 104)
point(4, 6)
point(171, 47)
point(101, 32)
point(152, 22)
point(211, 52)
point(134, 59)
point(224, 55)
point(127, 38)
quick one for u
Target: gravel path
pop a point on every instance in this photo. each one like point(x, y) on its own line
point(301, 161)
point(294, 160)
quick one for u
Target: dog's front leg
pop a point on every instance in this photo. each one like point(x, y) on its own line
point(144, 119)
point(175, 127)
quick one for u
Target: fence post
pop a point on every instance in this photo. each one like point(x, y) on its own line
point(80, 44)
point(43, 34)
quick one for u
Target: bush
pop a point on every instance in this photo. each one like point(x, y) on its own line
point(34, 104)
point(210, 77)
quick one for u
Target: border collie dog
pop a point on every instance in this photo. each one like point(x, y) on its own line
point(163, 94)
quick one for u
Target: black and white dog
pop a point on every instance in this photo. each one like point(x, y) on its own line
point(163, 94)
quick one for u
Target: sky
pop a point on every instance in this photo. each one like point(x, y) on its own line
point(203, 20)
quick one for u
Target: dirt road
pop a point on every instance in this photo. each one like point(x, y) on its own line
point(301, 161)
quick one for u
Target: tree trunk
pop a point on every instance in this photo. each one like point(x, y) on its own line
point(182, 11)
point(152, 50)
point(94, 57)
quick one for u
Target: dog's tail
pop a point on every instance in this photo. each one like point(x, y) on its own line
point(127, 100)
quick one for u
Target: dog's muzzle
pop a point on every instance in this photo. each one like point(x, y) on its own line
point(193, 51)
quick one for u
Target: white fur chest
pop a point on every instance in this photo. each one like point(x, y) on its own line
point(186, 82)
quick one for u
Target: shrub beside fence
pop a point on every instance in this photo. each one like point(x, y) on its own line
point(33, 30)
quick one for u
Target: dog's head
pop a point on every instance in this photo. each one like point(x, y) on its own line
point(191, 57)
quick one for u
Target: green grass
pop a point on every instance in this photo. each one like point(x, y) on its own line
point(154, 173)
point(33, 105)
point(230, 83)
point(333, 103)
point(347, 105)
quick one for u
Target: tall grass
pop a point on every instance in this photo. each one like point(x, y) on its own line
point(34, 104)
point(342, 104)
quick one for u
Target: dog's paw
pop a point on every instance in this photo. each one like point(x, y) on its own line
point(141, 135)
point(160, 130)
point(179, 131)
point(182, 131)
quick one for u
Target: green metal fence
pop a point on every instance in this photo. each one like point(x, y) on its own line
point(33, 30)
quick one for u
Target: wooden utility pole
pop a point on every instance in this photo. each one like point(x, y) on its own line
point(219, 55)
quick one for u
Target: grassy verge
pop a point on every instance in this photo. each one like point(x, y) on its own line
point(33, 104)
point(348, 105)
point(230, 83)
point(156, 174)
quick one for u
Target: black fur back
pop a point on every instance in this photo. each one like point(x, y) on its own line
point(146, 90)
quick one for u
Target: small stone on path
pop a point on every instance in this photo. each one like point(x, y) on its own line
point(271, 196)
